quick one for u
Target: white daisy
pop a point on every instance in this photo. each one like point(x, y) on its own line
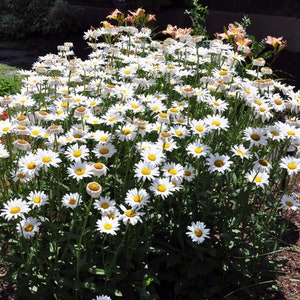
point(137, 197)
point(198, 232)
point(14, 208)
point(131, 215)
point(71, 200)
point(289, 202)
point(291, 164)
point(37, 198)
point(108, 225)
point(218, 163)
point(79, 170)
point(162, 187)
point(28, 227)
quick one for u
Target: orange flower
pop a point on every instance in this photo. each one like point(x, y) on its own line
point(277, 43)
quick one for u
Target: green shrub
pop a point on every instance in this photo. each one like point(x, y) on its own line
point(20, 18)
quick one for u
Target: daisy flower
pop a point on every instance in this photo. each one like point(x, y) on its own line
point(47, 158)
point(93, 189)
point(174, 171)
point(289, 202)
point(145, 171)
point(256, 136)
point(153, 155)
point(197, 149)
point(108, 225)
point(162, 187)
point(216, 122)
point(179, 131)
point(37, 198)
point(218, 163)
point(79, 170)
point(198, 232)
point(137, 197)
point(199, 127)
point(21, 176)
point(131, 215)
point(71, 200)
point(14, 208)
point(189, 173)
point(27, 228)
point(29, 165)
point(104, 204)
point(126, 132)
point(99, 169)
point(106, 150)
point(262, 165)
point(291, 164)
point(241, 151)
point(101, 136)
point(3, 152)
point(257, 177)
point(77, 153)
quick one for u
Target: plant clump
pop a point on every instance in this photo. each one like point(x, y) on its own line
point(152, 169)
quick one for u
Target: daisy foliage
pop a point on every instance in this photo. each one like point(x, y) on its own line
point(108, 163)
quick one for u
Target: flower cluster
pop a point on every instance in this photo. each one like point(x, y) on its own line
point(146, 132)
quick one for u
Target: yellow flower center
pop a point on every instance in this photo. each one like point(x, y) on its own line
point(165, 134)
point(179, 132)
point(278, 101)
point(28, 228)
point(198, 232)
point(77, 153)
point(291, 132)
point(257, 179)
point(37, 199)
point(174, 110)
point(240, 152)
point(77, 135)
point(15, 210)
point(163, 115)
point(104, 205)
point(46, 160)
point(219, 163)
point(31, 166)
point(103, 139)
point(107, 226)
point(80, 171)
point(255, 136)
point(94, 186)
point(137, 198)
point(275, 133)
point(104, 151)
point(35, 132)
point(258, 102)
point(292, 166)
point(172, 171)
point(187, 173)
point(130, 213)
point(216, 123)
point(162, 188)
point(98, 166)
point(223, 72)
point(126, 131)
point(21, 175)
point(199, 128)
point(152, 157)
point(146, 171)
point(289, 203)
point(72, 201)
point(263, 162)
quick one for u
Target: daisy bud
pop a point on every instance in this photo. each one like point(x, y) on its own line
point(94, 189)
